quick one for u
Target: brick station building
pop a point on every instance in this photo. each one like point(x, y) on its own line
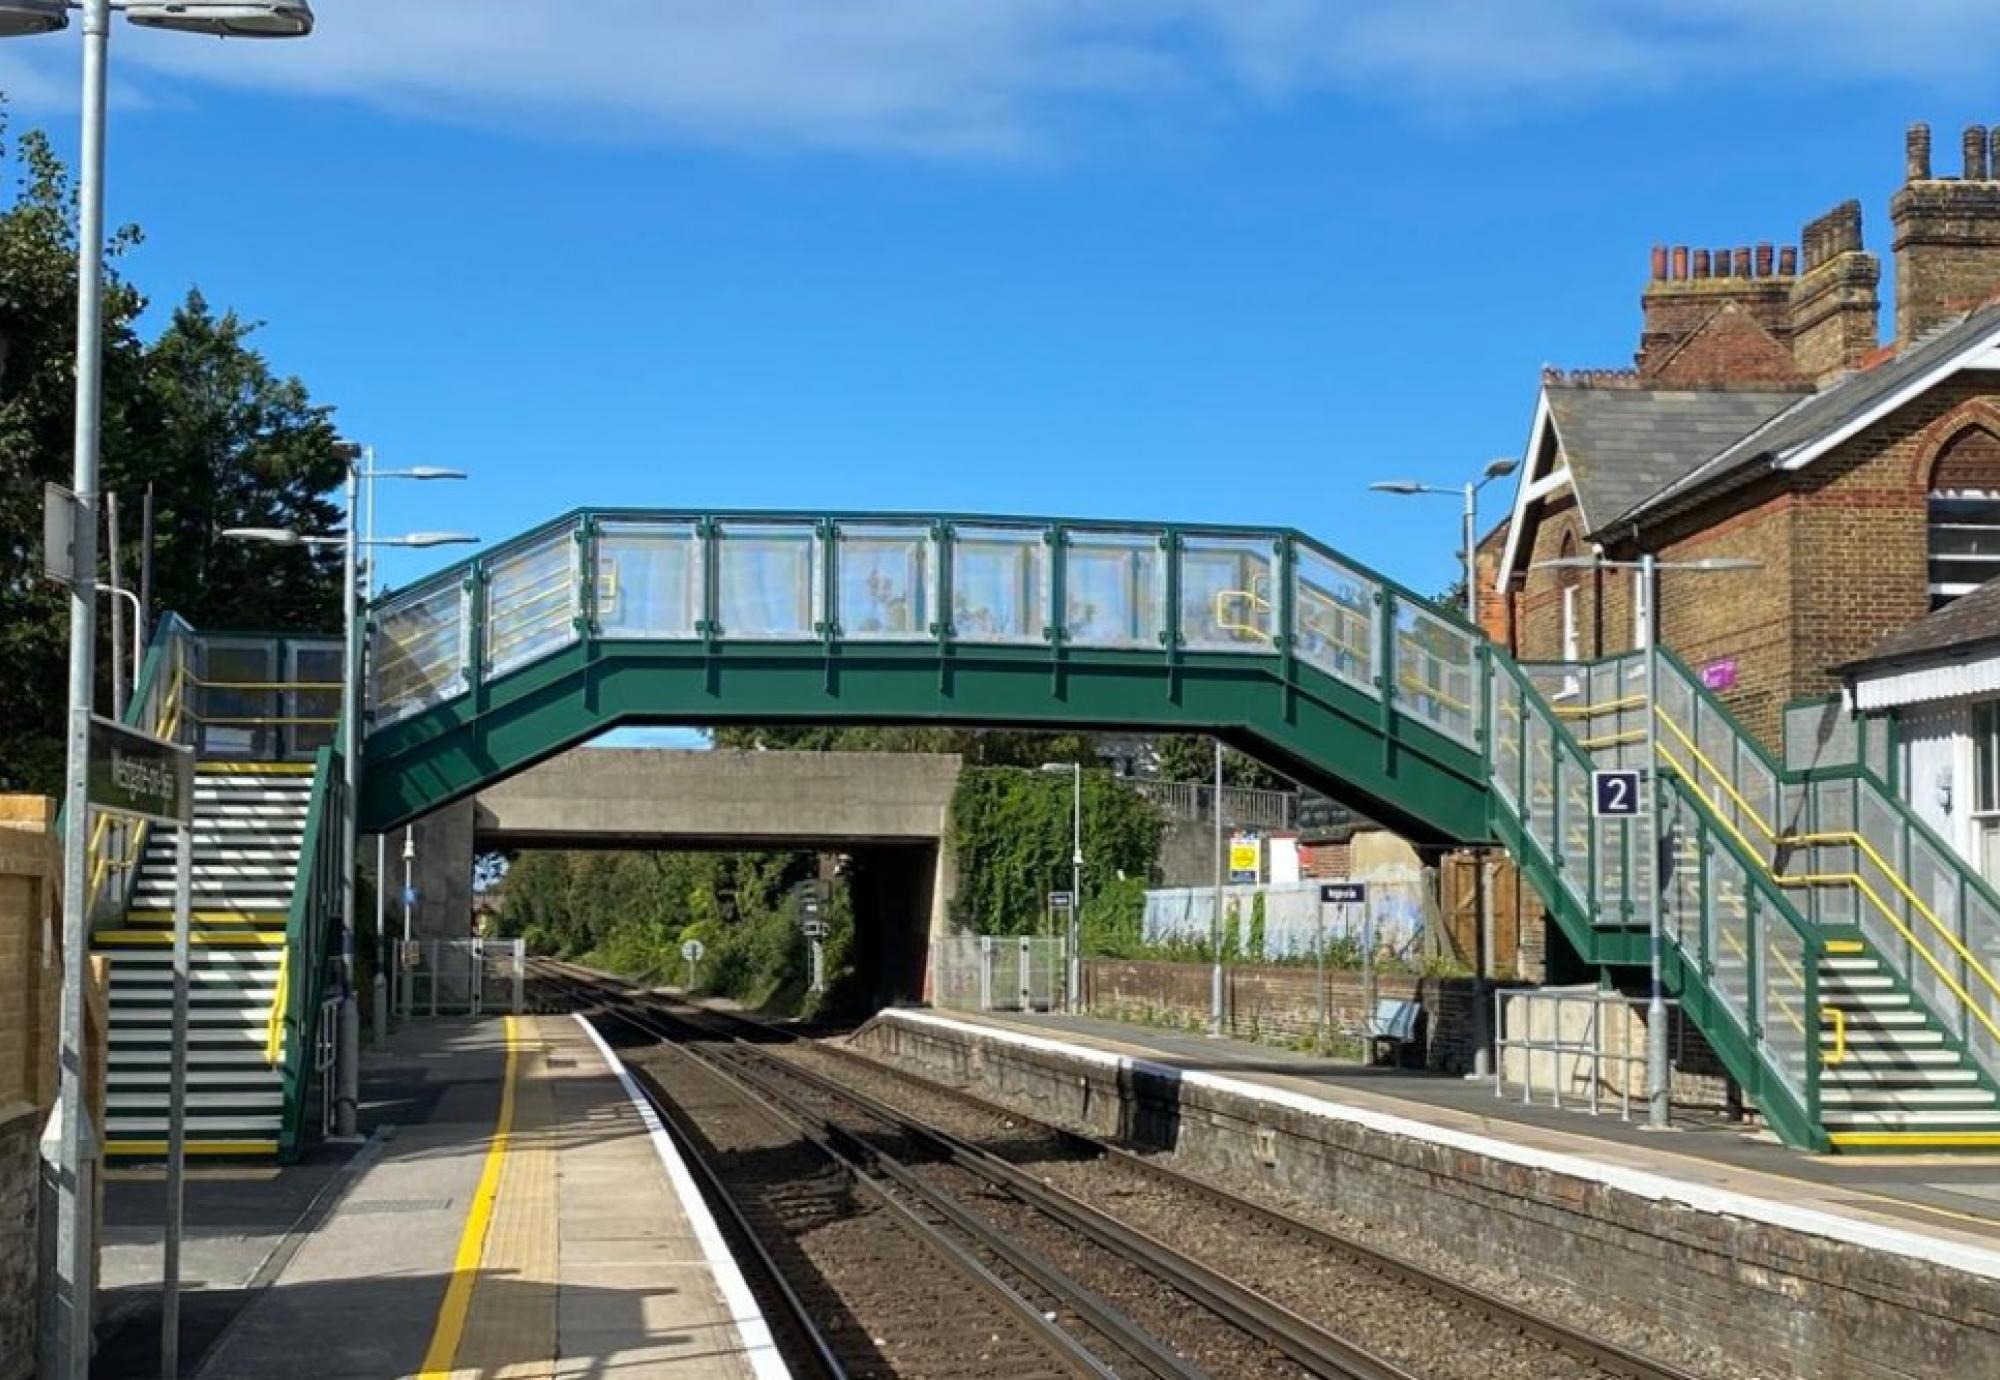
point(1764, 417)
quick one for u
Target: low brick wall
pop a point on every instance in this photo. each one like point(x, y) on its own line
point(30, 998)
point(1770, 1300)
point(1278, 1005)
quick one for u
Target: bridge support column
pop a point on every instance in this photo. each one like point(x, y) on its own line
point(444, 841)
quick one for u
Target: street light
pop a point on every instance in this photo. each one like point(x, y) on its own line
point(1075, 769)
point(67, 1353)
point(362, 457)
point(1649, 570)
point(347, 1094)
point(1495, 469)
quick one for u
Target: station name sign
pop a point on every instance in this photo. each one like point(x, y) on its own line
point(134, 773)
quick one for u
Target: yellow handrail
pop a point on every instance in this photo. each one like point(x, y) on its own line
point(274, 1033)
point(1589, 711)
point(1838, 1019)
point(1855, 880)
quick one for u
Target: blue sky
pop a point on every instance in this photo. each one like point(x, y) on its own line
point(1215, 259)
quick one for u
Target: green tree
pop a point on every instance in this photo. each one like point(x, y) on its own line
point(198, 414)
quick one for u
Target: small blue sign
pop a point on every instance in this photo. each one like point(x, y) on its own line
point(409, 896)
point(1614, 794)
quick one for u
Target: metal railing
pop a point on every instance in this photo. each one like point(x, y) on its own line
point(704, 578)
point(1242, 806)
point(984, 972)
point(1565, 1034)
point(456, 977)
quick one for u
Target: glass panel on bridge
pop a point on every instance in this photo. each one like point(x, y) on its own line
point(531, 604)
point(1434, 670)
point(999, 584)
point(649, 580)
point(236, 713)
point(1228, 592)
point(767, 578)
point(1114, 589)
point(886, 590)
point(312, 705)
point(1333, 613)
point(419, 653)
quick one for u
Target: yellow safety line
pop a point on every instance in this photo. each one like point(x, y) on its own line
point(274, 1029)
point(1859, 883)
point(1846, 946)
point(248, 938)
point(214, 917)
point(255, 769)
point(1923, 1140)
point(1635, 735)
point(193, 1147)
point(441, 1357)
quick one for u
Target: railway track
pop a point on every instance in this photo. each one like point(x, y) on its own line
point(1155, 1223)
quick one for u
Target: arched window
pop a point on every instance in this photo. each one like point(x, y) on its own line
point(1964, 515)
point(1570, 582)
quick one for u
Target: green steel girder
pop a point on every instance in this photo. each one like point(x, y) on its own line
point(1325, 733)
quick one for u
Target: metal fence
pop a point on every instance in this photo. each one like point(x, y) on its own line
point(1245, 807)
point(439, 977)
point(982, 972)
point(1582, 1044)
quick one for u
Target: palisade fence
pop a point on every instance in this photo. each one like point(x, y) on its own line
point(985, 972)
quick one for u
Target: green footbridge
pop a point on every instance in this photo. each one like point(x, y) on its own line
point(1836, 955)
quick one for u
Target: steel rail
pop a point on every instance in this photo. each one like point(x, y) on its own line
point(1071, 1352)
point(1320, 1352)
point(1606, 1355)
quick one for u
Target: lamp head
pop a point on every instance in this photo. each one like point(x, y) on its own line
point(22, 18)
point(1502, 467)
point(1397, 486)
point(275, 536)
point(438, 539)
point(225, 18)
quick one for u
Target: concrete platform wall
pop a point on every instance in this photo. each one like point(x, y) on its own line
point(1777, 1301)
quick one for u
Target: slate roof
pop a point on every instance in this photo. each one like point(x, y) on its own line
point(1818, 414)
point(1625, 444)
point(1968, 620)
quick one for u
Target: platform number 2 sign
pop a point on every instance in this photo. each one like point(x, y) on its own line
point(1614, 794)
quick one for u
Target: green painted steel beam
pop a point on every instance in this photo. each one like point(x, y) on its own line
point(1323, 732)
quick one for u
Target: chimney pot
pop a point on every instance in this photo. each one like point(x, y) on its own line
point(1788, 261)
point(1701, 263)
point(1659, 262)
point(1742, 267)
point(1993, 152)
point(1917, 153)
point(1680, 262)
point(1974, 143)
point(1764, 255)
point(1722, 262)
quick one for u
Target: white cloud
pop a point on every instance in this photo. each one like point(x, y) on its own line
point(1006, 77)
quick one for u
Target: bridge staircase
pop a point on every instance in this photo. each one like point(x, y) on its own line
point(259, 905)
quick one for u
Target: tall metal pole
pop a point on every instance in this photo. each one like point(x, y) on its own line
point(409, 973)
point(170, 1289)
point(73, 1281)
point(111, 554)
point(382, 963)
point(1657, 1114)
point(1076, 888)
point(1472, 554)
point(1215, 926)
point(145, 568)
point(347, 1095)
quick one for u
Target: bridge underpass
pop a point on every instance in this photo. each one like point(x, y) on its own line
point(887, 813)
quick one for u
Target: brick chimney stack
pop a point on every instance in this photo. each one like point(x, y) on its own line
point(1834, 305)
point(1947, 233)
point(1688, 287)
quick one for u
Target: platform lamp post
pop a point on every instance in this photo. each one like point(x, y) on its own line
point(361, 461)
point(67, 1354)
point(347, 1093)
point(1649, 569)
point(1482, 1057)
point(1074, 940)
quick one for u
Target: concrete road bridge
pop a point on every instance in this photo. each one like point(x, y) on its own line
point(1840, 961)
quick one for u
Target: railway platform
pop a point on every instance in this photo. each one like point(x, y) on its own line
point(1951, 1200)
point(515, 1212)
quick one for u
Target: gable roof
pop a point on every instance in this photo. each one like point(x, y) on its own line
point(1968, 621)
point(1625, 444)
point(1816, 423)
